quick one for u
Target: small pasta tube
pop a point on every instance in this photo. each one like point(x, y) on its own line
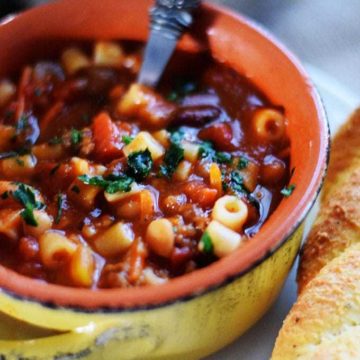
point(160, 237)
point(48, 152)
point(82, 266)
point(215, 178)
point(231, 212)
point(55, 249)
point(7, 91)
point(18, 166)
point(115, 240)
point(183, 171)
point(142, 141)
point(108, 53)
point(73, 59)
point(10, 223)
point(147, 205)
point(224, 240)
point(143, 102)
point(269, 124)
point(191, 151)
point(44, 223)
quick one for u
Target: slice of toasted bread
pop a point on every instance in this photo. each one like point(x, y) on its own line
point(345, 154)
point(338, 222)
point(324, 324)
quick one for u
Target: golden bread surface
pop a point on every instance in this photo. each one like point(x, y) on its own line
point(324, 324)
point(338, 223)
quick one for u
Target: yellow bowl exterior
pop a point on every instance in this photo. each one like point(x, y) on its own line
point(187, 329)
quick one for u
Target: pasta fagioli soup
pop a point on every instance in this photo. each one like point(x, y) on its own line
point(108, 183)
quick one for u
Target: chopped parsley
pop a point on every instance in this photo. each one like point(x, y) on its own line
point(237, 183)
point(75, 136)
point(60, 200)
point(140, 164)
point(127, 139)
point(172, 159)
point(206, 244)
point(176, 136)
point(207, 151)
point(288, 190)
point(111, 183)
point(26, 197)
point(243, 163)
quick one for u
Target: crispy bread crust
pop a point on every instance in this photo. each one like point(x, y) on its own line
point(325, 321)
point(338, 222)
point(336, 227)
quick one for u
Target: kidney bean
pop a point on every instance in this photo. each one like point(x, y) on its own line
point(196, 115)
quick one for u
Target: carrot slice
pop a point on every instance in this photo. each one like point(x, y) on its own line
point(106, 137)
point(215, 178)
point(146, 205)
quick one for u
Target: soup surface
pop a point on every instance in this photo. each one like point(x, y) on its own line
point(108, 183)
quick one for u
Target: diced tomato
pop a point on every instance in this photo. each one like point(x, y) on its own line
point(200, 194)
point(220, 134)
point(107, 138)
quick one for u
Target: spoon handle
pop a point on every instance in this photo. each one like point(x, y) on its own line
point(168, 20)
point(172, 17)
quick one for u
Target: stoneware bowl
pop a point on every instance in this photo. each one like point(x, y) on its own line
point(196, 314)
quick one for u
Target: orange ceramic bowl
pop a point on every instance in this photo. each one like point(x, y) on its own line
point(180, 319)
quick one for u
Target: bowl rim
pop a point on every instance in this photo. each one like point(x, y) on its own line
point(202, 280)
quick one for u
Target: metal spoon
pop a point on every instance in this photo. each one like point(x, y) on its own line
point(169, 19)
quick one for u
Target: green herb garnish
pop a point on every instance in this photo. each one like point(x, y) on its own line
point(172, 158)
point(60, 200)
point(206, 244)
point(140, 164)
point(237, 183)
point(288, 190)
point(127, 139)
point(26, 197)
point(111, 183)
point(243, 163)
point(75, 136)
point(207, 150)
